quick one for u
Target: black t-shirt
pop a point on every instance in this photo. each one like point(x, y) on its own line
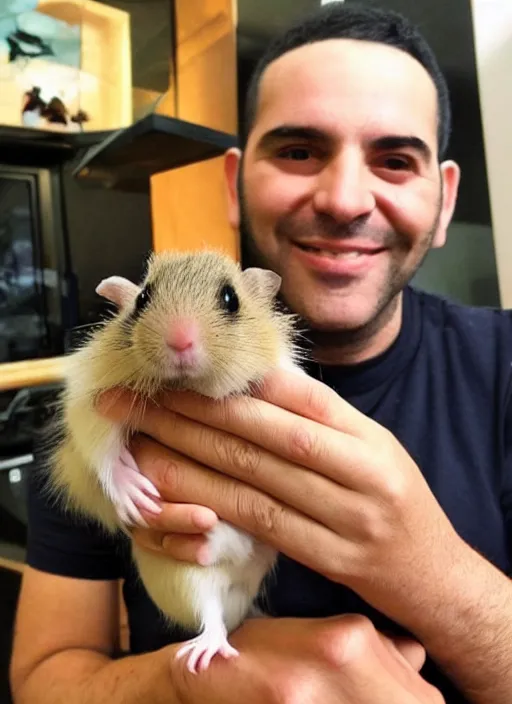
point(443, 389)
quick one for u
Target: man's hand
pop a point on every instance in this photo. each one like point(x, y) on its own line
point(304, 471)
point(311, 661)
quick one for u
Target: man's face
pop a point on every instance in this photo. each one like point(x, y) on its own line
point(341, 190)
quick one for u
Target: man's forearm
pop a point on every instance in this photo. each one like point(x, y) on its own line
point(469, 629)
point(85, 677)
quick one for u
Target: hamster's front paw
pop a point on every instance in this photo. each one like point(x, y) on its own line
point(132, 491)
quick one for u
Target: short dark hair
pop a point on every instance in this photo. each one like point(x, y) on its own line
point(339, 21)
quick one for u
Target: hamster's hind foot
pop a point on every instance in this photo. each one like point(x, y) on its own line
point(210, 642)
point(131, 490)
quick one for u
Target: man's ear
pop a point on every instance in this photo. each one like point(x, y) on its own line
point(118, 290)
point(450, 176)
point(232, 165)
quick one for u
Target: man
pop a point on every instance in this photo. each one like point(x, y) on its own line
point(389, 495)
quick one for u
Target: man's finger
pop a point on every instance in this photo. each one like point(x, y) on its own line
point(310, 398)
point(186, 548)
point(312, 493)
point(297, 393)
point(184, 518)
point(300, 489)
point(338, 456)
point(296, 535)
point(369, 671)
point(308, 468)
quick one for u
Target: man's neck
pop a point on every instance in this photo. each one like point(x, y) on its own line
point(354, 348)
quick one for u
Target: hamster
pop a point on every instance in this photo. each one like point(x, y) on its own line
point(197, 322)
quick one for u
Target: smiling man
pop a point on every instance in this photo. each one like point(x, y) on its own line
point(342, 189)
point(383, 477)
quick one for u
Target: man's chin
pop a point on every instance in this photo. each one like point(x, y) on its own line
point(328, 325)
point(333, 313)
point(339, 323)
point(332, 319)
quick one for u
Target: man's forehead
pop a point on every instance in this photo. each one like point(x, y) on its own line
point(351, 80)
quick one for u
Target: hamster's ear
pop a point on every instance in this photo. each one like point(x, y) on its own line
point(261, 281)
point(118, 290)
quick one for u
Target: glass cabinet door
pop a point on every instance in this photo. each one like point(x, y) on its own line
point(23, 331)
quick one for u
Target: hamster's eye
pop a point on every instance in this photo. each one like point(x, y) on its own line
point(229, 300)
point(143, 299)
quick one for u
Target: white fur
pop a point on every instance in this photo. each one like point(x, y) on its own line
point(99, 441)
point(288, 364)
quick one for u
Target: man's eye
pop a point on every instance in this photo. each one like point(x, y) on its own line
point(295, 153)
point(396, 163)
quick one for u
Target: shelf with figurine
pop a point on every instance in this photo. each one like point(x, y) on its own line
point(65, 65)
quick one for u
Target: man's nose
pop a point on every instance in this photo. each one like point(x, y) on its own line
point(343, 190)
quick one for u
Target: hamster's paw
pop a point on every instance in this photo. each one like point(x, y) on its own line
point(132, 491)
point(202, 649)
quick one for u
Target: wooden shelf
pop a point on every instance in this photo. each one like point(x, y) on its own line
point(32, 372)
point(127, 159)
point(22, 146)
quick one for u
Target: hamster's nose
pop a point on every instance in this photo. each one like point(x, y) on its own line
point(182, 335)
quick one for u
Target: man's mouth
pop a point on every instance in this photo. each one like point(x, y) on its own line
point(337, 253)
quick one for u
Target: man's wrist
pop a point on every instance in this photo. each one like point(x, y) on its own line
point(472, 595)
point(147, 675)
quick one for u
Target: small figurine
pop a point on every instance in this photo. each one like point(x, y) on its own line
point(55, 111)
point(80, 117)
point(32, 108)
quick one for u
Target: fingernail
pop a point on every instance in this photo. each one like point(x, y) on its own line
point(204, 519)
point(203, 556)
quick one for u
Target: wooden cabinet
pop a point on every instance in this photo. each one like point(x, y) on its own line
point(189, 204)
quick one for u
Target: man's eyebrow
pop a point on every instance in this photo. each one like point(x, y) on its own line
point(291, 132)
point(403, 142)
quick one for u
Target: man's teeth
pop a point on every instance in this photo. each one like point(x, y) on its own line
point(334, 255)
